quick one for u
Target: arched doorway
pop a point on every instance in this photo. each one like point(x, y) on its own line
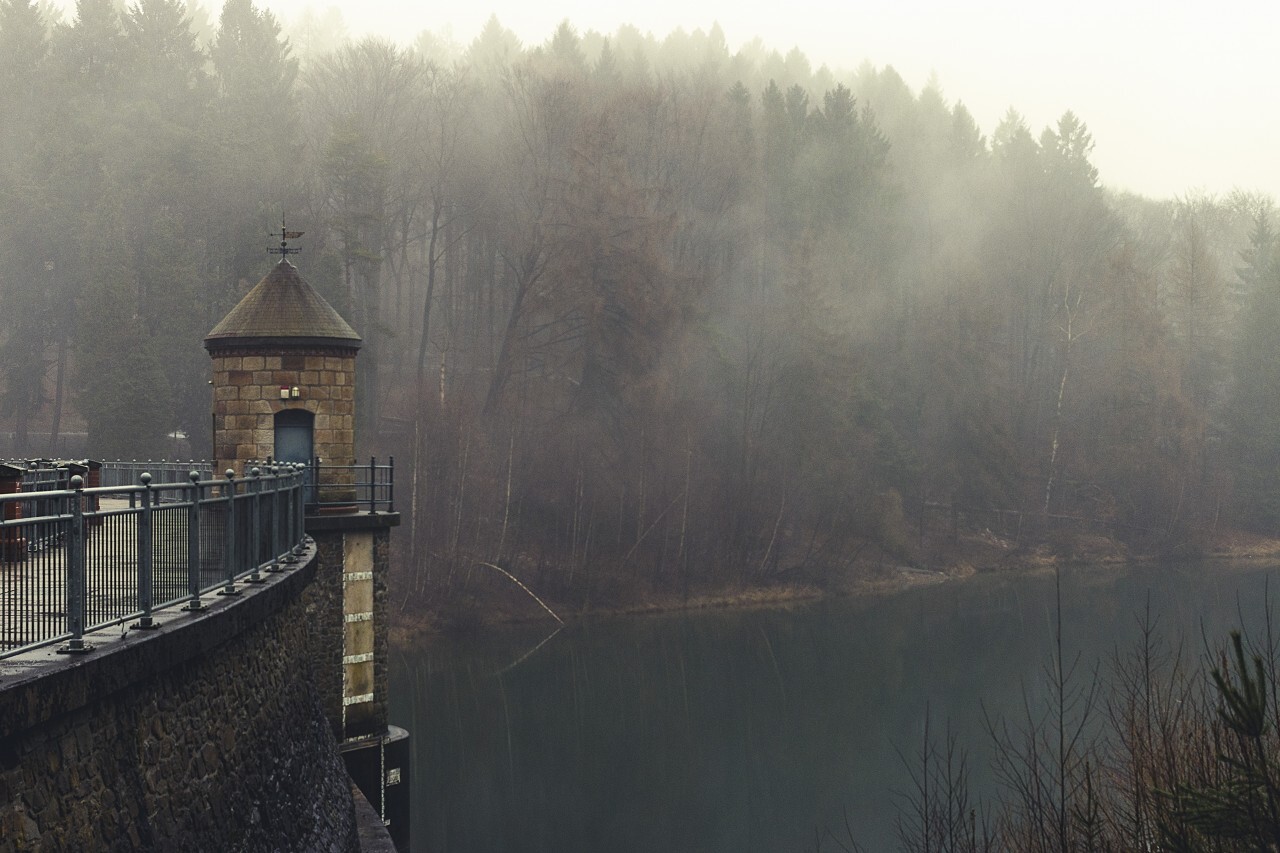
point(295, 429)
point(295, 441)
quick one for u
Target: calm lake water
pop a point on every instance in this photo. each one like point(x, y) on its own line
point(751, 731)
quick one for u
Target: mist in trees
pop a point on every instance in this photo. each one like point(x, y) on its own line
point(638, 313)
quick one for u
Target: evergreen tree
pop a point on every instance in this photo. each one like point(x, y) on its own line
point(29, 310)
point(24, 43)
point(126, 399)
point(1240, 808)
point(1254, 439)
point(168, 63)
point(255, 133)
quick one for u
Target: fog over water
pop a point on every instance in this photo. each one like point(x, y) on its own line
point(1175, 93)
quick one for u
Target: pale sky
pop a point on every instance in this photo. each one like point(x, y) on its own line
point(1180, 96)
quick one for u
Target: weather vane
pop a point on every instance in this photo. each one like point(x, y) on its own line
point(285, 236)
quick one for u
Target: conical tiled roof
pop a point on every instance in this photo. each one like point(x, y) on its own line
point(283, 309)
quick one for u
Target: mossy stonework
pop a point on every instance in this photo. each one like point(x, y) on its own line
point(206, 735)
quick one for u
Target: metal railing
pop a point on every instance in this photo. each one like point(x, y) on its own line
point(126, 472)
point(355, 488)
point(43, 473)
point(75, 560)
point(368, 488)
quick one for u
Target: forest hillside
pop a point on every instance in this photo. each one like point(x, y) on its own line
point(640, 315)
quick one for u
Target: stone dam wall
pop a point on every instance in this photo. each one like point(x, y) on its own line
point(205, 734)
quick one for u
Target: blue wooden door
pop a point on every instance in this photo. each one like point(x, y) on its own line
point(294, 441)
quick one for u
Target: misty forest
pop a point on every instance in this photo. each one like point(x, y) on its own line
point(642, 317)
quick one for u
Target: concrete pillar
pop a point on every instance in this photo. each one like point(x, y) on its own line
point(350, 639)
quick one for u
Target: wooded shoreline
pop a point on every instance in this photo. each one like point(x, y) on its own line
point(506, 608)
point(643, 320)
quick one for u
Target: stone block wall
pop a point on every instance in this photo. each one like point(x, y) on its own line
point(207, 737)
point(246, 397)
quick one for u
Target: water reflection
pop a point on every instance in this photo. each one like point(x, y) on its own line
point(748, 731)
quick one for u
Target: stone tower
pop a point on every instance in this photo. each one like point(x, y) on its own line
point(284, 367)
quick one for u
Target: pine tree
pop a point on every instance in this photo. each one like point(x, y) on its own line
point(1240, 810)
point(1254, 416)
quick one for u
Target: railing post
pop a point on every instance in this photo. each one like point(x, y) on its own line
point(373, 477)
point(145, 597)
point(193, 545)
point(229, 537)
point(286, 511)
point(284, 505)
point(278, 524)
point(75, 574)
point(300, 508)
point(284, 518)
point(391, 484)
point(273, 535)
point(253, 488)
point(290, 526)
